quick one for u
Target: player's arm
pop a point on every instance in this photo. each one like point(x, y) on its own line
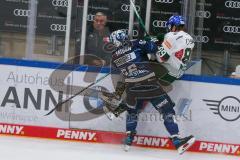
point(162, 55)
point(145, 46)
point(158, 39)
point(164, 51)
point(165, 54)
point(177, 60)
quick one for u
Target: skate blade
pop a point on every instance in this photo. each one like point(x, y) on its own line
point(110, 116)
point(126, 148)
point(185, 147)
point(108, 113)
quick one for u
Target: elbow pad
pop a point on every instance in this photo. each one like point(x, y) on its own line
point(162, 55)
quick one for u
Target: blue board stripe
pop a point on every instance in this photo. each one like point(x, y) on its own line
point(54, 65)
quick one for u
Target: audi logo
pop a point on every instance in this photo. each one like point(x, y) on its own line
point(232, 4)
point(21, 12)
point(60, 3)
point(203, 14)
point(231, 29)
point(159, 24)
point(58, 27)
point(135, 32)
point(90, 17)
point(164, 1)
point(126, 8)
point(201, 39)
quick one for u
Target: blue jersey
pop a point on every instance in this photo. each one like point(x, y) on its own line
point(131, 60)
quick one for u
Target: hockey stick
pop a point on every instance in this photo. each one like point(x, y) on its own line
point(138, 17)
point(59, 104)
point(158, 36)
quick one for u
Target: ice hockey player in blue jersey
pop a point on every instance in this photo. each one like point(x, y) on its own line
point(141, 85)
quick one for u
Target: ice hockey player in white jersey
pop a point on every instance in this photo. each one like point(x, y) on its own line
point(175, 51)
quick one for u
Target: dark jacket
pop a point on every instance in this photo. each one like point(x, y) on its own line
point(95, 44)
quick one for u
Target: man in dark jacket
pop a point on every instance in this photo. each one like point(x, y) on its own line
point(97, 38)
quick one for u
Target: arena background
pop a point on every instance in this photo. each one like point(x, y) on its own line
point(213, 24)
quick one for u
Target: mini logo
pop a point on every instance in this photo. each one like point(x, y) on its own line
point(232, 4)
point(135, 32)
point(60, 3)
point(159, 24)
point(21, 12)
point(164, 1)
point(231, 29)
point(227, 108)
point(201, 39)
point(203, 14)
point(126, 8)
point(58, 27)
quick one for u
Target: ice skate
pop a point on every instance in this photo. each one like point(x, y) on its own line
point(182, 144)
point(128, 140)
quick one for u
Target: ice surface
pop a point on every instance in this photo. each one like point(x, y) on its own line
point(19, 148)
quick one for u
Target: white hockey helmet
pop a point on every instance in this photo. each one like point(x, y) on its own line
point(118, 37)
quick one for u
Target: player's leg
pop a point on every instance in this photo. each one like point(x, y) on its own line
point(165, 106)
point(139, 90)
point(131, 124)
point(161, 73)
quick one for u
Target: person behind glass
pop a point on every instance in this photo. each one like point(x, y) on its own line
point(97, 38)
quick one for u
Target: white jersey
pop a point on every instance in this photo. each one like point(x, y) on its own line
point(175, 52)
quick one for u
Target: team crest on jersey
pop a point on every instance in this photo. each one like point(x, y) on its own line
point(125, 59)
point(122, 51)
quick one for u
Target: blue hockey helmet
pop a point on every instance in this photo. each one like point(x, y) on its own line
point(175, 21)
point(118, 37)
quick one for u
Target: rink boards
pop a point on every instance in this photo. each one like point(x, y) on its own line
point(207, 107)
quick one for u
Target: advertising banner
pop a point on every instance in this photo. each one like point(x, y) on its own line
point(28, 93)
point(209, 111)
point(220, 28)
point(26, 96)
point(161, 11)
point(94, 136)
point(210, 115)
point(204, 33)
point(220, 24)
point(227, 24)
point(51, 16)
